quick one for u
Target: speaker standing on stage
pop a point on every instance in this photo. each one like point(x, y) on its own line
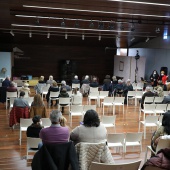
point(154, 78)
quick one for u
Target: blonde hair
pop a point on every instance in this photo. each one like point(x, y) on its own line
point(63, 121)
point(38, 100)
point(54, 84)
point(41, 78)
point(50, 77)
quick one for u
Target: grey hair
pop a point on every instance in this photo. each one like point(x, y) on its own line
point(148, 88)
point(50, 77)
point(55, 116)
point(76, 77)
point(63, 82)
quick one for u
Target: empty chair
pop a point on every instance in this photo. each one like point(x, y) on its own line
point(77, 100)
point(10, 95)
point(89, 107)
point(118, 101)
point(32, 145)
point(93, 96)
point(139, 86)
point(76, 110)
point(24, 123)
point(46, 122)
point(109, 121)
point(108, 101)
point(138, 96)
point(116, 140)
point(160, 108)
point(130, 96)
point(150, 121)
point(133, 139)
point(45, 90)
point(102, 95)
point(123, 166)
point(158, 100)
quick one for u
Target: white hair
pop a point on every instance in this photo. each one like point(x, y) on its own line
point(128, 80)
point(63, 82)
point(50, 77)
point(86, 77)
point(76, 77)
point(148, 88)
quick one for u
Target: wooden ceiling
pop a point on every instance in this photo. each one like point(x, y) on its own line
point(89, 22)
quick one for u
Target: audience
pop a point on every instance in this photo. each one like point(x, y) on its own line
point(166, 99)
point(40, 85)
point(50, 81)
point(119, 88)
point(92, 130)
point(94, 82)
point(6, 82)
point(85, 86)
point(21, 102)
point(34, 129)
point(75, 80)
point(127, 87)
point(55, 133)
point(25, 88)
point(107, 83)
point(64, 85)
point(12, 87)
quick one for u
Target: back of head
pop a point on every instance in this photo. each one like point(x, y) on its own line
point(54, 84)
point(128, 81)
point(38, 100)
point(22, 94)
point(119, 81)
point(86, 77)
point(36, 119)
point(91, 119)
point(63, 82)
point(55, 116)
point(12, 84)
point(51, 77)
point(94, 79)
point(41, 78)
point(148, 88)
point(76, 77)
point(114, 78)
point(107, 76)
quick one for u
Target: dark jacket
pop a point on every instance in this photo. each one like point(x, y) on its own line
point(6, 83)
point(55, 157)
point(34, 130)
point(94, 84)
point(75, 81)
point(53, 89)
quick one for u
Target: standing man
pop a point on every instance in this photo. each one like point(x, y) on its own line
point(6, 82)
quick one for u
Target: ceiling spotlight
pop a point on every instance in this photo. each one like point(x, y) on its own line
point(132, 39)
point(147, 39)
point(30, 34)
point(82, 36)
point(91, 25)
point(48, 35)
point(66, 36)
point(77, 24)
point(132, 28)
point(12, 33)
point(100, 37)
point(111, 26)
point(157, 30)
point(101, 25)
point(63, 23)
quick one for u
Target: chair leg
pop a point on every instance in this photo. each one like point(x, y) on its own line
point(103, 109)
point(20, 137)
point(144, 132)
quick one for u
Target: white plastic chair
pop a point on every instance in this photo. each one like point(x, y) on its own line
point(76, 110)
point(93, 96)
point(160, 108)
point(139, 86)
point(24, 123)
point(150, 121)
point(130, 95)
point(118, 101)
point(32, 145)
point(75, 85)
point(102, 95)
point(166, 93)
point(11, 102)
point(88, 107)
point(134, 86)
point(123, 166)
point(93, 89)
point(53, 96)
point(77, 100)
point(46, 122)
point(116, 140)
point(159, 123)
point(138, 96)
point(109, 121)
point(158, 100)
point(64, 102)
point(30, 100)
point(44, 91)
point(108, 101)
point(10, 95)
point(133, 139)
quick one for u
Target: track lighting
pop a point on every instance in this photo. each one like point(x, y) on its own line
point(100, 37)
point(132, 39)
point(66, 36)
point(30, 34)
point(12, 33)
point(48, 35)
point(91, 25)
point(147, 39)
point(63, 23)
point(82, 36)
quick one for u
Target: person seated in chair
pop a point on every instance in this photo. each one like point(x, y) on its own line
point(85, 86)
point(119, 88)
point(50, 81)
point(75, 80)
point(21, 102)
point(12, 87)
point(94, 82)
point(64, 85)
point(127, 87)
point(25, 88)
point(107, 83)
point(41, 83)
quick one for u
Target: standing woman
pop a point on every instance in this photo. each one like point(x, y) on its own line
point(38, 107)
point(154, 78)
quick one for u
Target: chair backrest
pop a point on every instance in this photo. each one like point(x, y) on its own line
point(33, 142)
point(64, 100)
point(108, 100)
point(46, 122)
point(140, 86)
point(161, 107)
point(166, 93)
point(162, 144)
point(103, 93)
point(139, 94)
point(124, 166)
point(75, 85)
point(30, 100)
point(131, 93)
point(11, 94)
point(158, 99)
point(109, 119)
point(150, 107)
point(89, 107)
point(116, 138)
point(94, 89)
point(77, 108)
point(149, 100)
point(77, 100)
point(25, 122)
point(12, 101)
point(45, 89)
point(151, 119)
point(133, 137)
point(119, 100)
point(54, 94)
point(94, 93)
point(69, 93)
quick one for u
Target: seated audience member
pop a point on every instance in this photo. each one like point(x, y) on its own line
point(25, 88)
point(160, 92)
point(75, 80)
point(50, 81)
point(85, 86)
point(160, 84)
point(40, 85)
point(107, 83)
point(166, 99)
point(92, 130)
point(94, 82)
point(163, 130)
point(6, 82)
point(127, 87)
point(53, 88)
point(38, 107)
point(21, 102)
point(34, 129)
point(64, 94)
point(119, 88)
point(64, 85)
point(55, 133)
point(148, 93)
point(76, 92)
point(11, 87)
